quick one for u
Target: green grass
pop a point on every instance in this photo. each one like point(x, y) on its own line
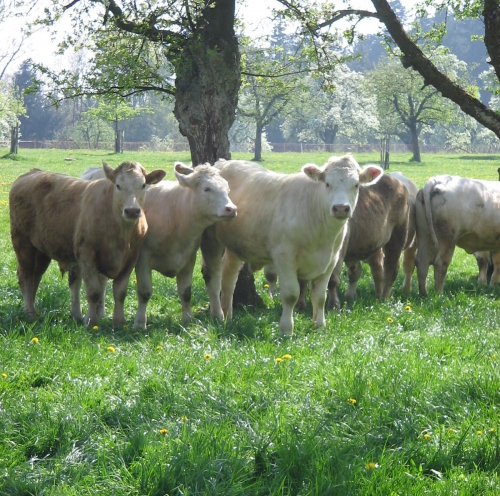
point(393, 398)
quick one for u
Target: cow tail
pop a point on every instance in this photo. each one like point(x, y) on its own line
point(428, 189)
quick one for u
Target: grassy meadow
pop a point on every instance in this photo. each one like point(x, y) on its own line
point(392, 398)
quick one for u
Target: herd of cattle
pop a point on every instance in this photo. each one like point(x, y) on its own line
point(298, 227)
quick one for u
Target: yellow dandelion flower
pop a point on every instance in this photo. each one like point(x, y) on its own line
point(278, 360)
point(4, 375)
point(479, 432)
point(208, 356)
point(493, 357)
point(492, 430)
point(163, 432)
point(287, 356)
point(466, 317)
point(34, 340)
point(135, 281)
point(352, 401)
point(184, 418)
point(159, 347)
point(95, 328)
point(408, 308)
point(451, 431)
point(390, 320)
point(266, 286)
point(371, 465)
point(427, 436)
point(111, 349)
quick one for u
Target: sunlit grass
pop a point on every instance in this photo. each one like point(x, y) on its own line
point(398, 397)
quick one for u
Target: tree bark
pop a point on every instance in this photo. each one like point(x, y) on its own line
point(207, 82)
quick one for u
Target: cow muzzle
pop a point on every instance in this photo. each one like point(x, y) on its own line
point(132, 213)
point(341, 211)
point(230, 212)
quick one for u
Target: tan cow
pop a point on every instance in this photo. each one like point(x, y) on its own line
point(377, 233)
point(454, 211)
point(93, 229)
point(295, 221)
point(198, 199)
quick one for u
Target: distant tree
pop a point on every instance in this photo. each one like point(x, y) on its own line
point(403, 93)
point(40, 121)
point(335, 107)
point(272, 80)
point(413, 40)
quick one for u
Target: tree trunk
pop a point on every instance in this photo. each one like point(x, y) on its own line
point(258, 144)
point(415, 145)
point(118, 141)
point(14, 139)
point(207, 83)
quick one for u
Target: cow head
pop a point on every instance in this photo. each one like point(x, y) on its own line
point(211, 190)
point(341, 177)
point(130, 179)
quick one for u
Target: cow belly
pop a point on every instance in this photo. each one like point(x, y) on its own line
point(471, 243)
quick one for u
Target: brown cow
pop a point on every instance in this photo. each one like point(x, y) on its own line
point(93, 229)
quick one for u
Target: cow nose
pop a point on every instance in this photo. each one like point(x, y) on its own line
point(132, 212)
point(230, 211)
point(341, 211)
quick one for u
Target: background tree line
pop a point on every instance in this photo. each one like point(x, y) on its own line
point(365, 97)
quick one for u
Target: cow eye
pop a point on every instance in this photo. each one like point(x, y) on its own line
point(206, 189)
point(144, 186)
point(118, 187)
point(327, 185)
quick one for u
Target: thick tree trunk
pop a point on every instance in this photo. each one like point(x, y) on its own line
point(207, 84)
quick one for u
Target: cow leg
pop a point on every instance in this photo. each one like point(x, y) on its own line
point(95, 286)
point(441, 265)
point(184, 283)
point(409, 266)
point(318, 297)
point(495, 276)
point(75, 285)
point(231, 266)
point(354, 271)
point(289, 290)
point(26, 255)
point(271, 278)
point(120, 286)
point(483, 261)
point(301, 302)
point(333, 286)
point(211, 269)
point(144, 276)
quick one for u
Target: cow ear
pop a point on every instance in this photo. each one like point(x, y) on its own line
point(370, 174)
point(109, 171)
point(155, 176)
point(183, 168)
point(313, 172)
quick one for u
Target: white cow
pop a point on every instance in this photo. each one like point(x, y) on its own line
point(295, 221)
point(454, 211)
point(177, 213)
